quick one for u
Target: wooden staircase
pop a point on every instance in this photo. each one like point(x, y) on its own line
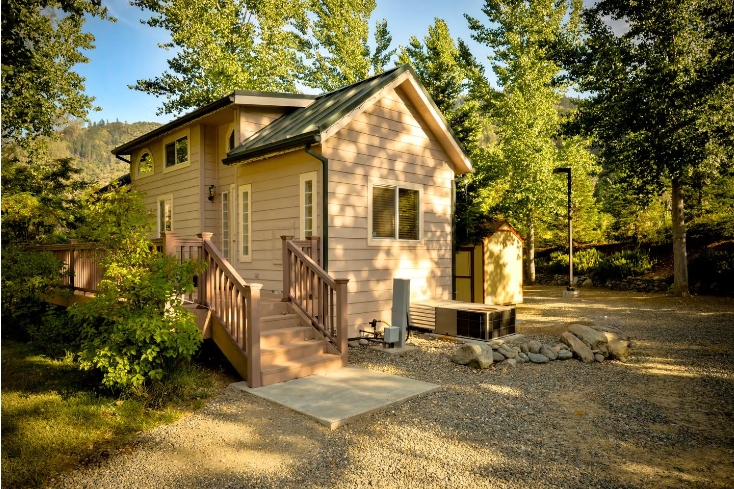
point(267, 338)
point(288, 348)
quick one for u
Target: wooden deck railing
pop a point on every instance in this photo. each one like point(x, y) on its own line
point(236, 304)
point(321, 298)
point(81, 264)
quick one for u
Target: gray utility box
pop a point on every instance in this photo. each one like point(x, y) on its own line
point(467, 319)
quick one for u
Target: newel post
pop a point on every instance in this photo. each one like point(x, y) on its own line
point(169, 243)
point(252, 334)
point(315, 255)
point(202, 283)
point(72, 262)
point(286, 269)
point(342, 317)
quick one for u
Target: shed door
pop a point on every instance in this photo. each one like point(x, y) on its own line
point(465, 275)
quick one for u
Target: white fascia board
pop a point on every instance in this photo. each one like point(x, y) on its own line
point(272, 101)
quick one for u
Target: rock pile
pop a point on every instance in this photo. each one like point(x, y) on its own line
point(587, 343)
point(634, 284)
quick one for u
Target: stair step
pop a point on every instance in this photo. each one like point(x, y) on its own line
point(278, 355)
point(284, 336)
point(301, 367)
point(274, 308)
point(269, 323)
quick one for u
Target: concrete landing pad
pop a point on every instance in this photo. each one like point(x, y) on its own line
point(338, 397)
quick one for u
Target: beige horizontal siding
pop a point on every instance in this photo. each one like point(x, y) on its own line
point(388, 141)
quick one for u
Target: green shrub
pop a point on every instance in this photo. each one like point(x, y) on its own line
point(55, 331)
point(713, 267)
point(584, 262)
point(135, 330)
point(624, 264)
point(28, 277)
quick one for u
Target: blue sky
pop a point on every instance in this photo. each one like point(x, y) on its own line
point(127, 50)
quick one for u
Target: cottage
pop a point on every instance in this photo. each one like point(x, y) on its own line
point(295, 191)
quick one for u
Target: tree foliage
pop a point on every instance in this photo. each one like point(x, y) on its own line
point(526, 117)
point(269, 45)
point(662, 96)
point(42, 41)
point(341, 52)
point(222, 46)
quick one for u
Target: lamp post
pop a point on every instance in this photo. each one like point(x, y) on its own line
point(567, 171)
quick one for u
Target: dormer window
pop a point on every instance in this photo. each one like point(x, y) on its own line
point(230, 141)
point(145, 163)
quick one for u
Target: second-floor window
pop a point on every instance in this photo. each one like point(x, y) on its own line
point(177, 152)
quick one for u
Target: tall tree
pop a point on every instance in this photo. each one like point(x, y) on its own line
point(42, 41)
point(456, 83)
point(342, 54)
point(525, 111)
point(662, 96)
point(223, 45)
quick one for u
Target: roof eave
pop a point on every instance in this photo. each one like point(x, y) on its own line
point(126, 148)
point(312, 137)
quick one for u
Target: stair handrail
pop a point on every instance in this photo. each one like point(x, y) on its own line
point(235, 303)
point(319, 296)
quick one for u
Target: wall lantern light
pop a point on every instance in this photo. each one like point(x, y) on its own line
point(212, 192)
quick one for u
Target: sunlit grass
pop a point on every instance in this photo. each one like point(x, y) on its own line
point(53, 415)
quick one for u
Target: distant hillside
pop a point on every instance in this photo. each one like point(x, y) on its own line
point(90, 146)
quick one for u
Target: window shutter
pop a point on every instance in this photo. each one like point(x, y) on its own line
point(408, 217)
point(383, 212)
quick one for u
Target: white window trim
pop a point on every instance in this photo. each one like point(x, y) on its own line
point(242, 188)
point(172, 139)
point(313, 176)
point(158, 212)
point(389, 241)
point(136, 172)
point(229, 217)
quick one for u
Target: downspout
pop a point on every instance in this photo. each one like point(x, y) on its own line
point(324, 206)
point(453, 239)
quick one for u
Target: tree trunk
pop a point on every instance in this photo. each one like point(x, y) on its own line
point(680, 258)
point(530, 243)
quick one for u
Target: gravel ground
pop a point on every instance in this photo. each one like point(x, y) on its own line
point(663, 418)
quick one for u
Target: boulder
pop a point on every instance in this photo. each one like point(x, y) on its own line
point(498, 357)
point(565, 355)
point(523, 357)
point(538, 358)
point(582, 351)
point(593, 336)
point(548, 352)
point(618, 349)
point(495, 344)
point(599, 357)
point(534, 346)
point(512, 362)
point(507, 351)
point(354, 343)
point(524, 348)
point(364, 342)
point(611, 332)
point(603, 350)
point(473, 354)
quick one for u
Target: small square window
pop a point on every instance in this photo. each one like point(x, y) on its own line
point(177, 152)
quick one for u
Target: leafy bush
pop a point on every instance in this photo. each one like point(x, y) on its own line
point(624, 264)
point(27, 278)
point(714, 267)
point(135, 329)
point(584, 262)
point(55, 331)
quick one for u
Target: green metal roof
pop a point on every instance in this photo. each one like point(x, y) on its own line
point(305, 125)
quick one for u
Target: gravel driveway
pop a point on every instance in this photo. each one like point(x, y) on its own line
point(663, 418)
